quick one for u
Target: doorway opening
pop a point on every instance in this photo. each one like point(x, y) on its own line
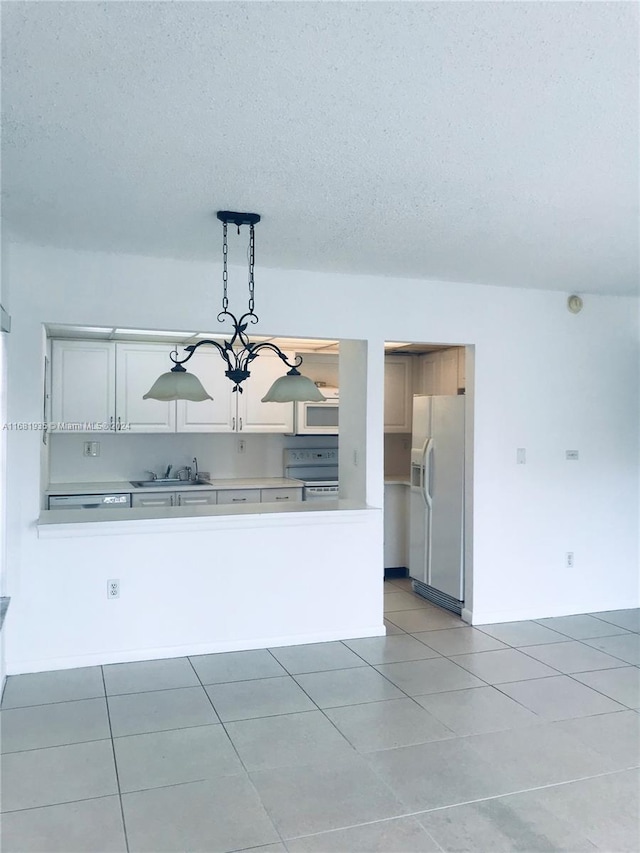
point(428, 501)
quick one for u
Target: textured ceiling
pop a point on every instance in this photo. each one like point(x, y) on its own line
point(467, 141)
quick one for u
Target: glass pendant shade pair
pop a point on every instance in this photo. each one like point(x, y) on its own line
point(177, 384)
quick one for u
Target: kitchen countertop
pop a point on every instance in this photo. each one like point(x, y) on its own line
point(398, 480)
point(113, 522)
point(125, 486)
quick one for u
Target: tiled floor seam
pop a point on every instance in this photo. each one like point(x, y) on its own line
point(115, 765)
point(63, 803)
point(56, 746)
point(40, 704)
point(233, 746)
point(415, 814)
point(595, 689)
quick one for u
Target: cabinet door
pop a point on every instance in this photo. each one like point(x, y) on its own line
point(255, 416)
point(137, 368)
point(217, 415)
point(153, 499)
point(429, 373)
point(397, 393)
point(286, 495)
point(199, 498)
point(448, 370)
point(83, 383)
point(238, 496)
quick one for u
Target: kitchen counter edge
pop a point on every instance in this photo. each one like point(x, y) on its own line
point(125, 486)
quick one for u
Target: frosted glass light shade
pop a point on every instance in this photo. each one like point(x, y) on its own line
point(175, 385)
point(293, 388)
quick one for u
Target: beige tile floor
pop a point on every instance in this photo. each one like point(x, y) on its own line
point(439, 737)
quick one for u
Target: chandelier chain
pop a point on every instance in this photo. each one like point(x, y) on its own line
point(252, 253)
point(225, 275)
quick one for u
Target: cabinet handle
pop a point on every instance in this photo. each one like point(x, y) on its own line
point(179, 500)
point(282, 498)
point(172, 501)
point(240, 424)
point(119, 423)
point(238, 500)
point(111, 422)
point(233, 423)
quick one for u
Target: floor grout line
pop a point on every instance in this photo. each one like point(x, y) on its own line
point(115, 766)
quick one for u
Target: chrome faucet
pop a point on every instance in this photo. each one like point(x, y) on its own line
point(168, 471)
point(195, 466)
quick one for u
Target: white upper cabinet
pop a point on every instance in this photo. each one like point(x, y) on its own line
point(83, 381)
point(215, 415)
point(442, 372)
point(137, 368)
point(397, 393)
point(254, 415)
point(103, 382)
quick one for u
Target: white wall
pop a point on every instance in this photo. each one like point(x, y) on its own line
point(545, 379)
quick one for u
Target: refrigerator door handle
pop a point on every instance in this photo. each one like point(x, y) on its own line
point(427, 453)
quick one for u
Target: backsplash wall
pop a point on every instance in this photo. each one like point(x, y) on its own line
point(126, 457)
point(397, 454)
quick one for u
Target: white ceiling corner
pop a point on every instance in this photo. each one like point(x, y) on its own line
point(467, 141)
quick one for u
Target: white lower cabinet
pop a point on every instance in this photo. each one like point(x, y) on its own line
point(153, 499)
point(238, 496)
point(280, 495)
point(202, 497)
point(396, 525)
point(199, 498)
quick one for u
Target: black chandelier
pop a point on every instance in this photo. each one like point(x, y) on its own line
point(238, 352)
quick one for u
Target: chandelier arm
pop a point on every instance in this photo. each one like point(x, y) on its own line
point(193, 347)
point(266, 345)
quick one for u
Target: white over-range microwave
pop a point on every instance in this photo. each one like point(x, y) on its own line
point(318, 418)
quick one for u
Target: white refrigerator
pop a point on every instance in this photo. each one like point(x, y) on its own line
point(436, 521)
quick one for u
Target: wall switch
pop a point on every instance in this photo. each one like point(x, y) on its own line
point(91, 448)
point(572, 454)
point(113, 588)
point(521, 455)
point(569, 559)
point(241, 445)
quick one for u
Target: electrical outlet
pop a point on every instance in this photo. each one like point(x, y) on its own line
point(569, 560)
point(241, 445)
point(521, 455)
point(91, 448)
point(572, 454)
point(113, 588)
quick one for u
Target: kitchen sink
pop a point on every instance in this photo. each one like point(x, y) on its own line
point(164, 481)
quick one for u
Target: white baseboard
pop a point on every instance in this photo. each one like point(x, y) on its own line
point(490, 617)
point(131, 655)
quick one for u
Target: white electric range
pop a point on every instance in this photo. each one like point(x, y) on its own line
point(318, 470)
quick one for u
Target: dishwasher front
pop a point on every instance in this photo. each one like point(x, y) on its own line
point(119, 501)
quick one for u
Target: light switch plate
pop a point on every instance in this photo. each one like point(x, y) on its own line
point(572, 454)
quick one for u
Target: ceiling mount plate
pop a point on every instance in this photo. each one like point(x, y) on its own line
point(238, 218)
